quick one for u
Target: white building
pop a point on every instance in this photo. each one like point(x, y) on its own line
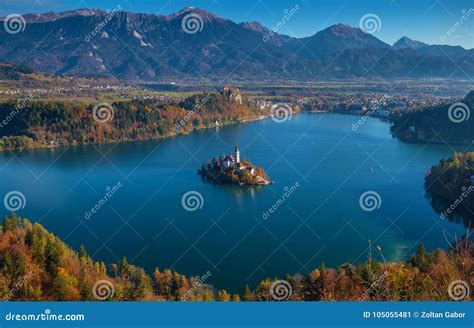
point(237, 154)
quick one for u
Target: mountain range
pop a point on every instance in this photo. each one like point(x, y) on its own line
point(149, 47)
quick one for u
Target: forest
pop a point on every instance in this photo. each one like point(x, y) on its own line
point(447, 123)
point(28, 123)
point(450, 186)
point(36, 265)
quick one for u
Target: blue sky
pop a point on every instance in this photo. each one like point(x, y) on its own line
point(423, 20)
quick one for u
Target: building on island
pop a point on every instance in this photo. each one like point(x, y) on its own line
point(232, 159)
point(237, 154)
point(230, 169)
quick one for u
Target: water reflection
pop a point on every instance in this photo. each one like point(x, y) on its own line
point(457, 212)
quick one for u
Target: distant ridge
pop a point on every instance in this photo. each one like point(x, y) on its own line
point(405, 42)
point(150, 47)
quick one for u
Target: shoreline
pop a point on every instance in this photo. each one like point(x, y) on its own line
point(243, 121)
point(171, 135)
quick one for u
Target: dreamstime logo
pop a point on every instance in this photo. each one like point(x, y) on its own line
point(14, 201)
point(370, 201)
point(192, 24)
point(18, 286)
point(14, 24)
point(287, 14)
point(103, 113)
point(459, 112)
point(109, 192)
point(362, 121)
point(192, 201)
point(281, 290)
point(99, 27)
point(465, 14)
point(23, 103)
point(370, 23)
point(374, 286)
point(198, 283)
point(465, 192)
point(103, 289)
point(280, 113)
point(459, 290)
point(288, 191)
point(191, 113)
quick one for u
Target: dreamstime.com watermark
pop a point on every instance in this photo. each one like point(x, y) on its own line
point(14, 23)
point(281, 290)
point(288, 191)
point(14, 201)
point(280, 113)
point(103, 289)
point(465, 15)
point(100, 26)
point(197, 284)
point(20, 283)
point(191, 113)
point(192, 23)
point(46, 316)
point(465, 192)
point(103, 113)
point(370, 23)
point(362, 120)
point(287, 15)
point(370, 201)
point(23, 103)
point(110, 192)
point(373, 286)
point(459, 290)
point(459, 112)
point(192, 201)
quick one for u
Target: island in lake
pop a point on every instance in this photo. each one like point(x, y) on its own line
point(230, 170)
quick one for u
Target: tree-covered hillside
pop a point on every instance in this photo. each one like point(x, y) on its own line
point(450, 186)
point(36, 265)
point(28, 124)
point(449, 123)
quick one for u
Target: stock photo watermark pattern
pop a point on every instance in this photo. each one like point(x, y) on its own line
point(465, 16)
point(287, 15)
point(14, 201)
point(192, 113)
point(192, 201)
point(281, 290)
point(280, 113)
point(46, 316)
point(465, 193)
point(288, 191)
point(14, 24)
point(199, 282)
point(109, 193)
point(181, 87)
point(103, 113)
point(459, 113)
point(370, 201)
point(459, 290)
point(370, 23)
point(103, 290)
point(99, 27)
point(17, 287)
point(192, 23)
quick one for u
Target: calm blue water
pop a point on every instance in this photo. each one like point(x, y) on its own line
point(320, 221)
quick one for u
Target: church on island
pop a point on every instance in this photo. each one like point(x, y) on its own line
point(233, 160)
point(229, 169)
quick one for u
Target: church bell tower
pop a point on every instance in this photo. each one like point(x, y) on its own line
point(237, 154)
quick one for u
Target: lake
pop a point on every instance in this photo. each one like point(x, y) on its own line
point(320, 164)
